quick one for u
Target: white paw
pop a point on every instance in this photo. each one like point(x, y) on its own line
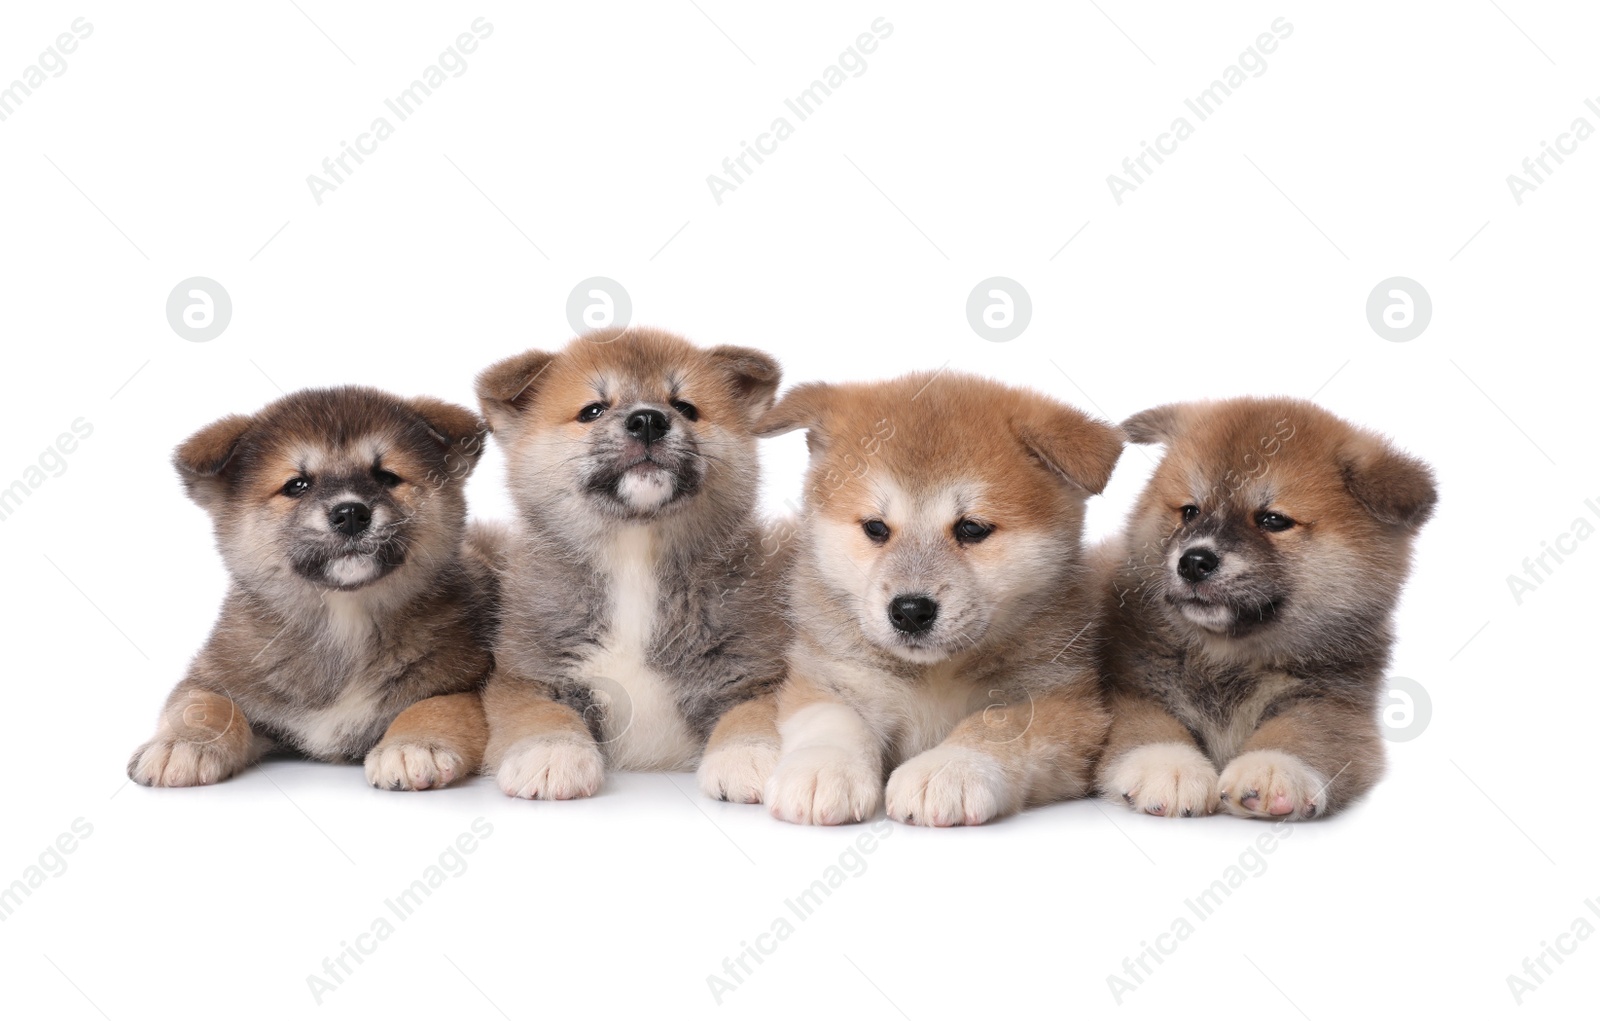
point(951, 786)
point(554, 769)
point(167, 763)
point(823, 786)
point(406, 766)
point(1170, 779)
point(737, 771)
point(1273, 785)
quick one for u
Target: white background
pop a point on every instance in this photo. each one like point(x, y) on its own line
point(978, 141)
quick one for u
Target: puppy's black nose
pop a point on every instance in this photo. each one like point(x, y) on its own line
point(1197, 564)
point(350, 518)
point(912, 615)
point(648, 425)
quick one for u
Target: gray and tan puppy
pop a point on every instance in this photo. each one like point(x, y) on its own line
point(642, 614)
point(946, 621)
point(357, 621)
point(1249, 607)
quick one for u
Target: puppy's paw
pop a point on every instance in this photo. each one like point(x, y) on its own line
point(737, 771)
point(1273, 785)
point(165, 762)
point(951, 786)
point(823, 786)
point(552, 768)
point(412, 766)
point(1170, 779)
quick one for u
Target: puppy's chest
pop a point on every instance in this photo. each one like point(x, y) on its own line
point(913, 714)
point(1225, 706)
point(641, 725)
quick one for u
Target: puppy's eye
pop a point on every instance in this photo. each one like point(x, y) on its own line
point(386, 478)
point(591, 412)
point(296, 486)
point(687, 410)
point(970, 531)
point(1272, 521)
point(1189, 512)
point(876, 530)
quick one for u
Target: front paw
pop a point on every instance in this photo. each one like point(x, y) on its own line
point(737, 771)
point(1170, 779)
point(823, 786)
point(412, 766)
point(552, 768)
point(951, 786)
point(1273, 785)
point(164, 762)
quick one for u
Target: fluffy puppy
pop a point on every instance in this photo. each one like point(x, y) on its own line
point(1249, 606)
point(944, 617)
point(641, 605)
point(356, 621)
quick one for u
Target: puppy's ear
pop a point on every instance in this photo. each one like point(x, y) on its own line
point(803, 407)
point(458, 430)
point(1157, 425)
point(1078, 448)
point(753, 376)
point(202, 460)
point(506, 389)
point(1395, 488)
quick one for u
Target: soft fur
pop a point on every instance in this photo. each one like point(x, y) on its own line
point(1256, 687)
point(332, 645)
point(993, 706)
point(641, 603)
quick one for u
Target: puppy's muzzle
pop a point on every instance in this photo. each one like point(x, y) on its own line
point(912, 615)
point(647, 425)
point(350, 518)
point(1198, 564)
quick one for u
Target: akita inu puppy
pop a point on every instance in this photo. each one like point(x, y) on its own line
point(945, 620)
point(640, 602)
point(1249, 605)
point(357, 622)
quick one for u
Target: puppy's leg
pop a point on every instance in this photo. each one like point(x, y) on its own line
point(1152, 763)
point(430, 744)
point(1309, 760)
point(831, 769)
point(202, 737)
point(538, 747)
point(742, 751)
point(1022, 749)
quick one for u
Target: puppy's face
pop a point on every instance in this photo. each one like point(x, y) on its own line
point(629, 425)
point(939, 506)
point(336, 488)
point(1272, 518)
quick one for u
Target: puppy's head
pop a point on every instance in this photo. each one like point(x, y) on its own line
point(1273, 518)
point(337, 488)
point(941, 506)
point(629, 425)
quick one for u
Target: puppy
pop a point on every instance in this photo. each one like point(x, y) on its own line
point(945, 619)
point(1249, 607)
point(356, 622)
point(642, 612)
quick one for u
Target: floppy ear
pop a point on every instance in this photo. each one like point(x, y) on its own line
point(803, 407)
point(203, 458)
point(1395, 488)
point(458, 430)
point(752, 374)
point(1157, 425)
point(506, 389)
point(1078, 448)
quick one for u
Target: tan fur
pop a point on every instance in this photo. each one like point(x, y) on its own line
point(431, 744)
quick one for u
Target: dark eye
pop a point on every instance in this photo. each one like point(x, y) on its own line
point(591, 412)
point(876, 530)
point(386, 478)
point(969, 531)
point(1189, 512)
point(687, 410)
point(296, 486)
point(1272, 521)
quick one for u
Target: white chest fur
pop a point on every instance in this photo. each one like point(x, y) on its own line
point(642, 727)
